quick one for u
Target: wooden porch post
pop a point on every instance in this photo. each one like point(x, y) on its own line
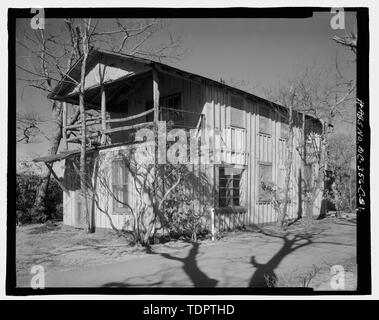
point(103, 116)
point(64, 125)
point(304, 140)
point(156, 96)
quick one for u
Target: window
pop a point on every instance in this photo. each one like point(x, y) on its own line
point(264, 120)
point(120, 179)
point(172, 102)
point(238, 139)
point(265, 179)
point(229, 187)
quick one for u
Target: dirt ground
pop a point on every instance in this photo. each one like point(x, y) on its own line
point(58, 247)
point(300, 256)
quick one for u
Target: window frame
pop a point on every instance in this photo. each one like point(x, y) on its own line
point(232, 192)
point(259, 188)
point(116, 187)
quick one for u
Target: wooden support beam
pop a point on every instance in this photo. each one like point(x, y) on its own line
point(103, 115)
point(95, 134)
point(156, 96)
point(79, 124)
point(64, 125)
point(50, 167)
point(94, 191)
point(134, 126)
point(182, 111)
point(131, 117)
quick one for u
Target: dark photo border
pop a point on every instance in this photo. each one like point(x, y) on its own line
point(363, 145)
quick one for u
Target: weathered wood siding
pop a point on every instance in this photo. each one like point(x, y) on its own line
point(246, 146)
point(260, 148)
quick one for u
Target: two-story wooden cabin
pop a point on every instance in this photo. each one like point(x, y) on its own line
point(131, 93)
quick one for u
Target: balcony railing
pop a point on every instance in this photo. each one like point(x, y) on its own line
point(233, 140)
point(95, 132)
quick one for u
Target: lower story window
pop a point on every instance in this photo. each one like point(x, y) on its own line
point(230, 187)
point(265, 182)
point(120, 179)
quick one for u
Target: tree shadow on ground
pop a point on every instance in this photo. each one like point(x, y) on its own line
point(150, 280)
point(127, 285)
point(264, 275)
point(190, 267)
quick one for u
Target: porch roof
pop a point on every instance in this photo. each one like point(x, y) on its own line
point(57, 157)
point(71, 153)
point(95, 55)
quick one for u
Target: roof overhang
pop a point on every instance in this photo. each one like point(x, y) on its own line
point(61, 91)
point(119, 68)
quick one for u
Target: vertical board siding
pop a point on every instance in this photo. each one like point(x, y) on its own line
point(219, 117)
point(244, 146)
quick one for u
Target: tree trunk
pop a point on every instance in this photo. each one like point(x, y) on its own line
point(336, 197)
point(283, 213)
point(322, 174)
point(83, 171)
point(40, 200)
point(314, 187)
point(83, 162)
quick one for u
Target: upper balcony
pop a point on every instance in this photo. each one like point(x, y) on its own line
point(229, 143)
point(123, 94)
point(121, 130)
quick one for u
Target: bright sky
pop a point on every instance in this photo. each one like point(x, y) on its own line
point(258, 51)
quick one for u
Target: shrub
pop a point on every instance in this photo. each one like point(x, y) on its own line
point(26, 189)
point(184, 216)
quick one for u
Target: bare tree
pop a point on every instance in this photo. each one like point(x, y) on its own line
point(28, 126)
point(327, 95)
point(52, 52)
point(341, 151)
point(157, 188)
point(348, 41)
point(287, 98)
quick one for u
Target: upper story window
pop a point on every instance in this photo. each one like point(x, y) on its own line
point(237, 113)
point(264, 120)
point(172, 102)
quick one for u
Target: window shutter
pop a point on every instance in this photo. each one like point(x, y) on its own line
point(264, 120)
point(115, 172)
point(120, 180)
